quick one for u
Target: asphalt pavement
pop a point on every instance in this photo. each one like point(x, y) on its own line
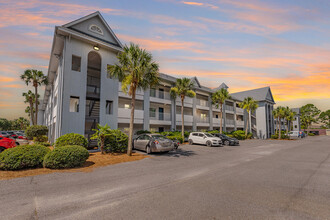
point(260, 179)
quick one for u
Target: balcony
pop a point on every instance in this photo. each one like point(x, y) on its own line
point(160, 118)
point(239, 123)
point(203, 119)
point(230, 122)
point(93, 91)
point(229, 108)
point(188, 119)
point(188, 102)
point(124, 116)
point(239, 111)
point(160, 97)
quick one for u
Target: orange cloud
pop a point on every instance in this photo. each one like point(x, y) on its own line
point(6, 79)
point(193, 3)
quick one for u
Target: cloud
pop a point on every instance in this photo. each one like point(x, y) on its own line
point(200, 4)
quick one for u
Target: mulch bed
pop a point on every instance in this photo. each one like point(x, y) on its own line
point(95, 160)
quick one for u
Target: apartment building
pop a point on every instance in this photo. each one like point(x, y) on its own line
point(80, 94)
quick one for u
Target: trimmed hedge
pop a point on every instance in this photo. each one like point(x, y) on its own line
point(116, 142)
point(71, 139)
point(142, 132)
point(22, 157)
point(42, 138)
point(66, 157)
point(275, 136)
point(36, 131)
point(311, 134)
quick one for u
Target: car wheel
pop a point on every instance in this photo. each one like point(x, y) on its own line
point(226, 142)
point(17, 143)
point(208, 143)
point(148, 150)
point(191, 142)
point(2, 149)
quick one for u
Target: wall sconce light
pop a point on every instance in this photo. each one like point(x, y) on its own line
point(96, 48)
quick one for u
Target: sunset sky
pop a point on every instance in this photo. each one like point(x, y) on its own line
point(245, 43)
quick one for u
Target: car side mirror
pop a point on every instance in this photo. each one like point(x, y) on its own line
point(204, 137)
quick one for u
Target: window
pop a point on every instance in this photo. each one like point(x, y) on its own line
point(194, 134)
point(216, 116)
point(201, 135)
point(126, 106)
point(295, 126)
point(108, 107)
point(152, 112)
point(76, 63)
point(203, 115)
point(161, 93)
point(152, 92)
point(74, 104)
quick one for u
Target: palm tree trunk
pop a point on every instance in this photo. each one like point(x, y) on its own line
point(287, 127)
point(220, 118)
point(279, 128)
point(247, 123)
point(182, 118)
point(31, 112)
point(36, 97)
point(131, 124)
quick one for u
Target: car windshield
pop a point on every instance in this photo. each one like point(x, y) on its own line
point(208, 135)
point(159, 137)
point(225, 136)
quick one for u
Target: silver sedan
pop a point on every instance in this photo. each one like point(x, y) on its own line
point(153, 143)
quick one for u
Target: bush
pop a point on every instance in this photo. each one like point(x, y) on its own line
point(36, 131)
point(214, 132)
point(24, 156)
point(71, 139)
point(249, 135)
point(239, 134)
point(142, 132)
point(283, 136)
point(311, 134)
point(116, 142)
point(176, 138)
point(69, 156)
point(42, 138)
point(46, 144)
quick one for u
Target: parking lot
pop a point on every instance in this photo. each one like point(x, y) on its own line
point(260, 179)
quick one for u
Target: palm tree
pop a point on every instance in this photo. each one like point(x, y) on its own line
point(183, 87)
point(279, 113)
point(218, 98)
point(135, 70)
point(276, 116)
point(289, 116)
point(22, 123)
point(250, 105)
point(36, 78)
point(101, 133)
point(30, 98)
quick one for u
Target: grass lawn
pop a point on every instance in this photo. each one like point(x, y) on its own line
point(95, 160)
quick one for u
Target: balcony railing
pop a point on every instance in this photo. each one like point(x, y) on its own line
point(239, 111)
point(187, 118)
point(203, 120)
point(239, 123)
point(160, 116)
point(91, 89)
point(202, 102)
point(230, 122)
point(229, 108)
point(126, 113)
point(161, 95)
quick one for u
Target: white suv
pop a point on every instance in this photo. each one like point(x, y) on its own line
point(204, 138)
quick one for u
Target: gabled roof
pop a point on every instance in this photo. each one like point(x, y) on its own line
point(223, 85)
point(97, 14)
point(260, 94)
point(195, 81)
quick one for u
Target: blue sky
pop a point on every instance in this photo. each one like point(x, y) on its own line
point(246, 43)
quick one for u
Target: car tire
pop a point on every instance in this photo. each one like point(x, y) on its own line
point(2, 149)
point(17, 144)
point(209, 143)
point(148, 150)
point(191, 142)
point(226, 142)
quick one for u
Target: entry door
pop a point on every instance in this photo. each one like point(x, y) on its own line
point(161, 114)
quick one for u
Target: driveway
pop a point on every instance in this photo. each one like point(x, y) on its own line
point(260, 179)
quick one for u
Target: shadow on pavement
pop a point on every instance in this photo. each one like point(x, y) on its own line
point(176, 153)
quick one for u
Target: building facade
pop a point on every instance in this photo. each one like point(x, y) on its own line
point(80, 94)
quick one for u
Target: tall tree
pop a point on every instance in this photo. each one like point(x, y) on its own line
point(136, 70)
point(5, 124)
point(289, 117)
point(183, 87)
point(36, 78)
point(325, 118)
point(309, 114)
point(30, 98)
point(219, 98)
point(250, 105)
point(20, 123)
point(279, 113)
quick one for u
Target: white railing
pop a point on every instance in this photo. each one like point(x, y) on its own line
point(230, 122)
point(229, 108)
point(202, 102)
point(203, 120)
point(239, 111)
point(160, 116)
point(126, 113)
point(161, 95)
point(239, 123)
point(187, 118)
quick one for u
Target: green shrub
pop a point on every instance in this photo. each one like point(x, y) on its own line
point(46, 144)
point(249, 135)
point(116, 142)
point(71, 139)
point(311, 134)
point(274, 136)
point(142, 132)
point(176, 137)
point(69, 156)
point(23, 156)
point(283, 136)
point(36, 131)
point(214, 132)
point(42, 138)
point(230, 135)
point(239, 134)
